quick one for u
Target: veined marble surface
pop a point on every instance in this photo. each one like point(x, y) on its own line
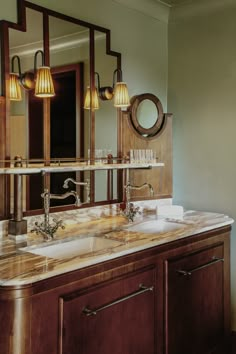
point(20, 267)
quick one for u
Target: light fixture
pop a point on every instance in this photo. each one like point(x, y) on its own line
point(118, 91)
point(40, 79)
point(121, 95)
point(91, 95)
point(15, 90)
point(43, 84)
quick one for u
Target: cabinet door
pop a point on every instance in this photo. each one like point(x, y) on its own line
point(114, 318)
point(195, 302)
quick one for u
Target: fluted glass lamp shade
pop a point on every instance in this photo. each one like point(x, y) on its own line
point(44, 84)
point(95, 101)
point(121, 95)
point(15, 89)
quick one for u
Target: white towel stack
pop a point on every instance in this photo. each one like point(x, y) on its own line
point(170, 211)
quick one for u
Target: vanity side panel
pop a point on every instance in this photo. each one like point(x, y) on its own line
point(15, 326)
point(160, 178)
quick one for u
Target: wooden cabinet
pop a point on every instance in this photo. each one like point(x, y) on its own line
point(169, 299)
point(117, 317)
point(195, 301)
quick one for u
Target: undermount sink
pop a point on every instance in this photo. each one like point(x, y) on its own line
point(155, 226)
point(73, 248)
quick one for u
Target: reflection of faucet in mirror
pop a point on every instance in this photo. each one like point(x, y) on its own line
point(86, 184)
point(45, 228)
point(130, 210)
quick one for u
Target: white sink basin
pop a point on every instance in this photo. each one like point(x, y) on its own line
point(73, 248)
point(155, 226)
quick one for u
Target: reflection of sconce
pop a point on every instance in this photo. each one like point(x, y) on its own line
point(95, 102)
point(118, 91)
point(15, 90)
point(40, 79)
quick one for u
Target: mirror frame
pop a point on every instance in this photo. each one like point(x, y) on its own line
point(157, 126)
point(5, 100)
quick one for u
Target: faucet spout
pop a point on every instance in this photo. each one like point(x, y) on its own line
point(129, 186)
point(66, 195)
point(130, 210)
point(47, 229)
point(86, 184)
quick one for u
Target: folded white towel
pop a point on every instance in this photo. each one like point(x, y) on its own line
point(176, 211)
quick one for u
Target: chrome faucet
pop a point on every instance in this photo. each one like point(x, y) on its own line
point(130, 210)
point(46, 228)
point(86, 184)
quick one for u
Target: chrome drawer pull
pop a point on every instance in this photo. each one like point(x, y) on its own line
point(92, 312)
point(190, 272)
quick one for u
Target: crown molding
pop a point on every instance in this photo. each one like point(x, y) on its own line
point(59, 44)
point(173, 3)
point(198, 8)
point(155, 9)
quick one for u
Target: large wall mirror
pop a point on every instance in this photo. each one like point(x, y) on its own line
point(59, 127)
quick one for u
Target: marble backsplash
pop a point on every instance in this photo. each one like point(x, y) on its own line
point(86, 214)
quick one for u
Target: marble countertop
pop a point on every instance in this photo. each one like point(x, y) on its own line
point(18, 267)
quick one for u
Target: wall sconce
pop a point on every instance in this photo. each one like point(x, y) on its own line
point(121, 95)
point(118, 92)
point(87, 100)
point(15, 90)
point(40, 79)
point(43, 84)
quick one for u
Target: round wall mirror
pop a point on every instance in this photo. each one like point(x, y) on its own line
point(146, 114)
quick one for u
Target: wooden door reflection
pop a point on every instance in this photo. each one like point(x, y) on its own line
point(66, 131)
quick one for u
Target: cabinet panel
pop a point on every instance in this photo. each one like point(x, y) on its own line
point(195, 302)
point(124, 321)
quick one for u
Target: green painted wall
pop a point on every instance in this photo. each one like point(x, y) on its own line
point(202, 96)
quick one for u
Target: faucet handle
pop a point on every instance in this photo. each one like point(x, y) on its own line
point(131, 211)
point(57, 224)
point(45, 193)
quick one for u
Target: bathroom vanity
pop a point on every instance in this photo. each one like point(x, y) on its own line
point(164, 291)
point(102, 286)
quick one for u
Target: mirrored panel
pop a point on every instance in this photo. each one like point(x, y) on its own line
point(68, 127)
point(70, 123)
point(23, 46)
point(105, 120)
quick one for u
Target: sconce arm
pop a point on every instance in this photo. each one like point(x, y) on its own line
point(117, 76)
point(98, 80)
point(35, 59)
point(15, 57)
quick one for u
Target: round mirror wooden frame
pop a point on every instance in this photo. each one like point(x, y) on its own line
point(133, 109)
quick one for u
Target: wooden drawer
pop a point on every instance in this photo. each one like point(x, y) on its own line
point(120, 313)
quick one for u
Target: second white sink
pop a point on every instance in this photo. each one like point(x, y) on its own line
point(155, 226)
point(78, 247)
